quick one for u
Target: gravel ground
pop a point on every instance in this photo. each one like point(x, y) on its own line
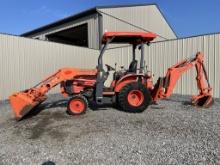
point(172, 132)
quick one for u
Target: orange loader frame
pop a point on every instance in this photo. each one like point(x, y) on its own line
point(23, 102)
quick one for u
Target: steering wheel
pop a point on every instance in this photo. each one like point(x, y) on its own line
point(109, 68)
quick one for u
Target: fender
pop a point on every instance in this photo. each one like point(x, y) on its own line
point(129, 78)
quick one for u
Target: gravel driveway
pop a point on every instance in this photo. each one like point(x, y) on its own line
point(172, 132)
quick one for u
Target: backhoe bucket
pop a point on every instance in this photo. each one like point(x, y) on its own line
point(22, 104)
point(204, 101)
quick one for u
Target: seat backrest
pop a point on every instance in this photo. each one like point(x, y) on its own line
point(133, 66)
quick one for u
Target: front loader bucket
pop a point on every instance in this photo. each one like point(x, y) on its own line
point(22, 104)
point(204, 101)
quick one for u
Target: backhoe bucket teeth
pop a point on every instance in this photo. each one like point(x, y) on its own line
point(205, 101)
point(22, 104)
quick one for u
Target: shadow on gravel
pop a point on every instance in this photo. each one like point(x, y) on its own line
point(42, 107)
point(47, 124)
point(62, 104)
point(96, 107)
point(157, 107)
point(187, 103)
point(49, 163)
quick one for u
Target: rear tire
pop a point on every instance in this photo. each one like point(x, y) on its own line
point(77, 105)
point(134, 98)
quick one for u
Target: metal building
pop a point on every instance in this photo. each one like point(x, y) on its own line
point(86, 28)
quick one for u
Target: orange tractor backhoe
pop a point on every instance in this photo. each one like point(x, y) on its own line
point(132, 89)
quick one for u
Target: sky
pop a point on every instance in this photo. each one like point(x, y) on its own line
point(187, 17)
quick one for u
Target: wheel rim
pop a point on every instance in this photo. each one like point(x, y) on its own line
point(135, 98)
point(77, 106)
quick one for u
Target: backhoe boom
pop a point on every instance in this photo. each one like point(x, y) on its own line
point(164, 86)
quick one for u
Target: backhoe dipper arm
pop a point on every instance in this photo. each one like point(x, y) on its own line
point(23, 102)
point(164, 86)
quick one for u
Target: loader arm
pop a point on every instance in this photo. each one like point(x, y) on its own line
point(165, 85)
point(23, 102)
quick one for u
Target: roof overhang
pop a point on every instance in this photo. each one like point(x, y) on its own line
point(60, 22)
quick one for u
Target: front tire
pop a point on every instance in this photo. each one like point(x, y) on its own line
point(134, 98)
point(77, 105)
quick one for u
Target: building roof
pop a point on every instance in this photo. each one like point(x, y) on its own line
point(86, 13)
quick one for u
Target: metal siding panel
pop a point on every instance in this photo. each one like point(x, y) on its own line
point(93, 31)
point(25, 62)
point(216, 86)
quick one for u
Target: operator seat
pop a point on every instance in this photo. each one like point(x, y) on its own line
point(133, 66)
